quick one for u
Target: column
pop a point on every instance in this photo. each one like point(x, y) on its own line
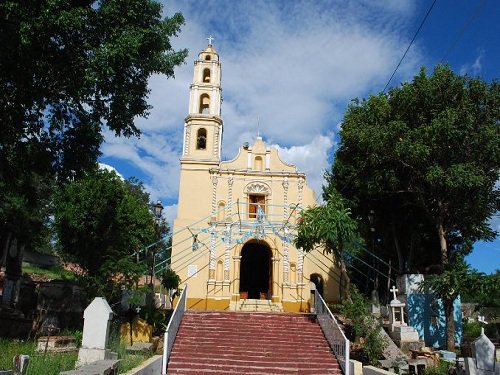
point(286, 262)
point(227, 238)
point(213, 238)
point(229, 210)
point(236, 280)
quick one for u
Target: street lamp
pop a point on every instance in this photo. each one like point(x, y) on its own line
point(157, 210)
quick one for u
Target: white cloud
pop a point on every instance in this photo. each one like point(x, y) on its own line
point(475, 68)
point(312, 159)
point(294, 64)
point(109, 168)
point(169, 213)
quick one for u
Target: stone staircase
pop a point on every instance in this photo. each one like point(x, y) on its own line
point(256, 305)
point(247, 343)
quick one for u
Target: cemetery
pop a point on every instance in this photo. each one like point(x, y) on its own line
point(320, 241)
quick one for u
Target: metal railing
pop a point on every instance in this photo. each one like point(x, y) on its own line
point(333, 333)
point(172, 328)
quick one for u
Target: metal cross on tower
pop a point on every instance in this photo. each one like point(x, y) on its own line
point(210, 38)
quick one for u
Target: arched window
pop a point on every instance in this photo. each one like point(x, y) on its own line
point(201, 139)
point(207, 58)
point(204, 103)
point(258, 164)
point(221, 214)
point(206, 75)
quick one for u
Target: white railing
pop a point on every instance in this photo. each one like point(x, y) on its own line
point(332, 331)
point(172, 328)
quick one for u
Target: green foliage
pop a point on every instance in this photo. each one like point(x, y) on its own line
point(170, 280)
point(441, 369)
point(52, 273)
point(329, 225)
point(40, 363)
point(100, 223)
point(471, 329)
point(70, 70)
point(356, 308)
point(127, 361)
point(425, 157)
point(486, 292)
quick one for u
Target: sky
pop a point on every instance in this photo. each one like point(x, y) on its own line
point(289, 70)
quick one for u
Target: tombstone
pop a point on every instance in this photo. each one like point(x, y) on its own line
point(375, 303)
point(97, 317)
point(483, 361)
point(398, 329)
point(20, 364)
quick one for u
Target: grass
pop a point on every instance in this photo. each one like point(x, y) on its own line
point(53, 273)
point(54, 363)
point(40, 363)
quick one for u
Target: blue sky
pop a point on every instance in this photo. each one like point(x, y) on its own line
point(296, 65)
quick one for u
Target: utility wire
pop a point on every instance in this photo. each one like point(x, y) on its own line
point(469, 22)
point(407, 49)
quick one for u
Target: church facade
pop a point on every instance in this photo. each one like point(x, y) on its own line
point(236, 220)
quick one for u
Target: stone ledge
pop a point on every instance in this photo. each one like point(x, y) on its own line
point(103, 367)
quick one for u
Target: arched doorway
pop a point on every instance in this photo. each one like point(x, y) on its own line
point(256, 270)
point(318, 281)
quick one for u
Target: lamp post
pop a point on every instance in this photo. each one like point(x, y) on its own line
point(157, 210)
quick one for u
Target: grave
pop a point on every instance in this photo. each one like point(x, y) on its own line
point(426, 312)
point(59, 344)
point(96, 322)
point(399, 331)
point(483, 361)
point(20, 364)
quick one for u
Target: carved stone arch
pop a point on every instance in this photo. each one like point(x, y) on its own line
point(257, 188)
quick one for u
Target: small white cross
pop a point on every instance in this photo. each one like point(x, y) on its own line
point(480, 319)
point(210, 38)
point(393, 290)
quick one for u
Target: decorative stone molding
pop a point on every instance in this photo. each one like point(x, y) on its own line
point(257, 188)
point(187, 138)
point(230, 182)
point(301, 187)
point(214, 194)
point(213, 238)
point(227, 255)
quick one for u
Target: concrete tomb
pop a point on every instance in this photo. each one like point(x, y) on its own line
point(97, 317)
point(483, 361)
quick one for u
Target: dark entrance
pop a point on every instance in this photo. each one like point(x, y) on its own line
point(256, 271)
point(318, 281)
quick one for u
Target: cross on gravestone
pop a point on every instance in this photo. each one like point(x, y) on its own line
point(480, 319)
point(393, 290)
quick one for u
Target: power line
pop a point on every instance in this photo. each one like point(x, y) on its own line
point(407, 49)
point(469, 22)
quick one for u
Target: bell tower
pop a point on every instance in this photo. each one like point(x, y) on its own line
point(203, 124)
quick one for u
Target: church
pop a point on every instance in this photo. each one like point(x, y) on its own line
point(236, 220)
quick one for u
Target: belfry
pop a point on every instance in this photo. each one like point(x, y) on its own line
point(236, 220)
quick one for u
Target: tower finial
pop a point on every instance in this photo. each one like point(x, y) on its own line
point(210, 38)
point(258, 126)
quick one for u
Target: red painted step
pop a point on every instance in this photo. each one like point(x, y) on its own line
point(214, 342)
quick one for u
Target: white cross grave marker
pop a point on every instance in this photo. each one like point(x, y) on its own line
point(393, 290)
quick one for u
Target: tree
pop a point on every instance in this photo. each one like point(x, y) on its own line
point(69, 69)
point(428, 155)
point(100, 222)
point(329, 226)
